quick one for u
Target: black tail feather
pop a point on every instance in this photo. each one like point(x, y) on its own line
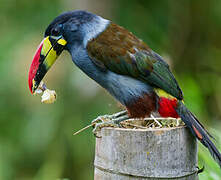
point(198, 131)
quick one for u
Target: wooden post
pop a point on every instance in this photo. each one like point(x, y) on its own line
point(126, 154)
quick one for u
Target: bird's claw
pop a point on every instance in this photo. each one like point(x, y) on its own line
point(107, 121)
point(99, 119)
point(98, 126)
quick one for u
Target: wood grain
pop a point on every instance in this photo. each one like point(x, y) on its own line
point(125, 154)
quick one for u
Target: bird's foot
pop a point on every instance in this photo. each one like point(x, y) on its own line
point(108, 121)
point(99, 126)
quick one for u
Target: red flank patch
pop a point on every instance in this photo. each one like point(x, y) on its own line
point(167, 107)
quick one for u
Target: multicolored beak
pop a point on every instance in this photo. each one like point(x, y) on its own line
point(45, 56)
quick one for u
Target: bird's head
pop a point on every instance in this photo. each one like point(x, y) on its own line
point(65, 31)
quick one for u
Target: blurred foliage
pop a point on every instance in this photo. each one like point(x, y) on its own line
point(36, 140)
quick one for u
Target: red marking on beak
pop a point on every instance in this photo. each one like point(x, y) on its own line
point(34, 66)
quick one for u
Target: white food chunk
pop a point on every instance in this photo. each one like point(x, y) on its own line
point(49, 96)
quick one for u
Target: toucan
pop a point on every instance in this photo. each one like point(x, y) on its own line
point(121, 63)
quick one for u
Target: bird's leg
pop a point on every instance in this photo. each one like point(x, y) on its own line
point(120, 119)
point(108, 117)
point(108, 121)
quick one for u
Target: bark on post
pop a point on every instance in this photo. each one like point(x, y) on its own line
point(126, 154)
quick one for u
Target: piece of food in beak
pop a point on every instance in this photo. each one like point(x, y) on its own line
point(48, 96)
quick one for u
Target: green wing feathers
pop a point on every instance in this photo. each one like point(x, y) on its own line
point(157, 73)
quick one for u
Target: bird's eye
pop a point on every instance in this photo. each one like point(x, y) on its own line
point(55, 32)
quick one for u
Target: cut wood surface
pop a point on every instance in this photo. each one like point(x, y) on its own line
point(126, 154)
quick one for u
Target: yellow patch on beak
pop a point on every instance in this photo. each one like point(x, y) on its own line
point(62, 42)
point(49, 52)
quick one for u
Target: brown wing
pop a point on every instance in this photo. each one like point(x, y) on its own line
point(114, 45)
point(122, 52)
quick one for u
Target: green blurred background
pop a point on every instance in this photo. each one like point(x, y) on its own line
point(36, 140)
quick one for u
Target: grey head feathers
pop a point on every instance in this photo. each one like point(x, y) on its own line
point(77, 26)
